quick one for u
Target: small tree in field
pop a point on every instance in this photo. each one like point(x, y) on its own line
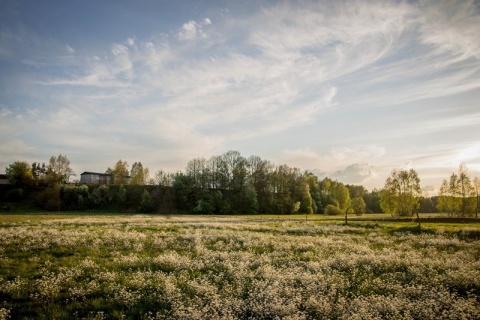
point(358, 205)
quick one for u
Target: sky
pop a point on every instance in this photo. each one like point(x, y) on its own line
point(347, 89)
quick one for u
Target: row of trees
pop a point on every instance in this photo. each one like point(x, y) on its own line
point(57, 171)
point(458, 196)
point(230, 183)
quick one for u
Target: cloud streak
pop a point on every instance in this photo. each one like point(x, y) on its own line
point(209, 83)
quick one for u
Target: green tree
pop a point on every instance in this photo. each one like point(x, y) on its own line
point(303, 196)
point(457, 196)
point(466, 190)
point(356, 190)
point(146, 203)
point(19, 174)
point(448, 198)
point(260, 178)
point(58, 170)
point(139, 174)
point(403, 192)
point(358, 205)
point(315, 192)
point(119, 172)
point(372, 199)
point(340, 193)
point(388, 201)
point(476, 187)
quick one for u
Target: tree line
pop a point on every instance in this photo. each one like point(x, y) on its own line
point(233, 184)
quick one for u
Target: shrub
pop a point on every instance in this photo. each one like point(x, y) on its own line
point(146, 204)
point(100, 197)
point(14, 195)
point(332, 210)
point(73, 197)
point(49, 199)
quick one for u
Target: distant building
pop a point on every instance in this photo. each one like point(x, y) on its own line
point(98, 178)
point(95, 178)
point(4, 179)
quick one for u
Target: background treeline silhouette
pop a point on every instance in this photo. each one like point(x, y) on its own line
point(224, 184)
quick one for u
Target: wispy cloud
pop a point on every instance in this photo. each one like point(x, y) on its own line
point(207, 84)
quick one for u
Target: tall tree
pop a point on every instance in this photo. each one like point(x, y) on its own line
point(196, 169)
point(340, 193)
point(466, 190)
point(388, 201)
point(448, 198)
point(457, 196)
point(138, 174)
point(260, 178)
point(476, 186)
point(404, 189)
point(119, 172)
point(39, 171)
point(19, 174)
point(58, 170)
point(358, 205)
point(163, 178)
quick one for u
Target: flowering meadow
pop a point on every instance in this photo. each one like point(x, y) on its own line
point(188, 267)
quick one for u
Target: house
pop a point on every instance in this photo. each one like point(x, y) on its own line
point(95, 178)
point(4, 179)
point(99, 178)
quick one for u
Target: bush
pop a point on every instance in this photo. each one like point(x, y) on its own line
point(146, 204)
point(332, 210)
point(100, 197)
point(14, 195)
point(73, 197)
point(49, 199)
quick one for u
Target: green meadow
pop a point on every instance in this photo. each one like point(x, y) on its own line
point(109, 266)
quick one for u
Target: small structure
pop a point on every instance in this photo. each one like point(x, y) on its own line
point(4, 179)
point(96, 178)
point(99, 178)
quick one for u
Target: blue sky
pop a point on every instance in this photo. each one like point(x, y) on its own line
point(350, 89)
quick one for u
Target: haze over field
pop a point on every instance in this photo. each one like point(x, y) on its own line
point(350, 89)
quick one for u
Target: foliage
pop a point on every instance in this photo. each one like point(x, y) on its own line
point(340, 193)
point(358, 206)
point(58, 170)
point(333, 210)
point(139, 175)
point(119, 172)
point(14, 195)
point(146, 204)
point(401, 193)
point(19, 174)
point(457, 196)
point(49, 199)
point(74, 197)
point(100, 197)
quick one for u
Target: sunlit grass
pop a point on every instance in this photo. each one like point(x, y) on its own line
point(236, 267)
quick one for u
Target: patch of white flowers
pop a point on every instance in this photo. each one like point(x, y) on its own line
point(216, 268)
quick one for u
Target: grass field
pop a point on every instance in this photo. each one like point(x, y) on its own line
point(254, 267)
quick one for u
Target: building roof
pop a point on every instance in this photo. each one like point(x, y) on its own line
point(97, 173)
